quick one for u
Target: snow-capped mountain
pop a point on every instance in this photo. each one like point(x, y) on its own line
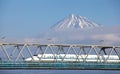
point(76, 29)
point(74, 21)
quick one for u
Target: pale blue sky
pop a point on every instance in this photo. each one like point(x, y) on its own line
point(27, 18)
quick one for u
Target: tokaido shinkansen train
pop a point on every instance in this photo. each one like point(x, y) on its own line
point(72, 58)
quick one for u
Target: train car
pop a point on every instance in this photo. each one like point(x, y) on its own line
point(72, 58)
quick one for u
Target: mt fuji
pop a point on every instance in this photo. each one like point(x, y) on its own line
point(76, 29)
point(74, 22)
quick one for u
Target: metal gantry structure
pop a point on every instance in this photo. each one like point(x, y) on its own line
point(13, 55)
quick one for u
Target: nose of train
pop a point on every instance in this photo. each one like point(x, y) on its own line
point(34, 58)
point(28, 59)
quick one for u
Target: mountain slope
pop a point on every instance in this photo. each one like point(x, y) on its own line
point(74, 30)
point(74, 22)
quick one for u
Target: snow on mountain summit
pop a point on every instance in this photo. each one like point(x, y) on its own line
point(74, 21)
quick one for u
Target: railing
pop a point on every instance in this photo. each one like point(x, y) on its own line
point(16, 52)
point(14, 55)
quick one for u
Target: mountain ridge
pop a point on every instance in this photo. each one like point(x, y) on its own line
point(74, 22)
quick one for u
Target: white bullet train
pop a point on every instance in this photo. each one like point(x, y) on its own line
point(72, 58)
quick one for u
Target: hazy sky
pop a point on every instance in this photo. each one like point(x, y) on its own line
point(27, 18)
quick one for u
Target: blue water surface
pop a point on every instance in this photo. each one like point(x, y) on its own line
point(59, 71)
